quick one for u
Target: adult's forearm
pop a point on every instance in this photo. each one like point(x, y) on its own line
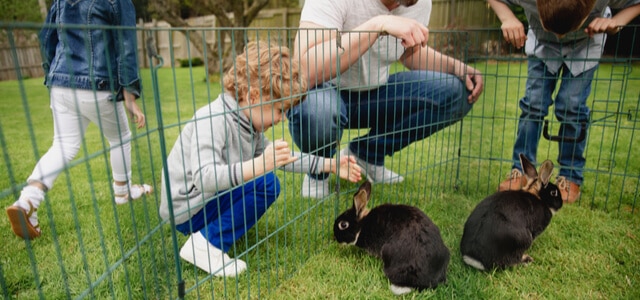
point(426, 58)
point(330, 58)
point(324, 53)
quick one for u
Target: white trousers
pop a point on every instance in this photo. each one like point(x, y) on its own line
point(73, 110)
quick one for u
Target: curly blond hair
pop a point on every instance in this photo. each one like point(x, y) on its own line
point(268, 71)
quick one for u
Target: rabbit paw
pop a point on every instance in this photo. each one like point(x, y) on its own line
point(526, 259)
point(399, 290)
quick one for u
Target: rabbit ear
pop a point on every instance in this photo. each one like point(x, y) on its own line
point(528, 168)
point(532, 184)
point(360, 200)
point(545, 172)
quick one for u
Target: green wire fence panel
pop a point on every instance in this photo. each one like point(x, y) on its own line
point(92, 248)
point(611, 172)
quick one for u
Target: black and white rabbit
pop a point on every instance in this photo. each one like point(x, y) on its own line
point(409, 243)
point(503, 226)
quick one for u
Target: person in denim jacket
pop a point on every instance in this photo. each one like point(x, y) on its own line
point(564, 42)
point(91, 70)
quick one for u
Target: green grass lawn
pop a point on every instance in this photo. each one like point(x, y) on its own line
point(91, 248)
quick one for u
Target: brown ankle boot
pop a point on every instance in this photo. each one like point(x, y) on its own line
point(514, 182)
point(569, 190)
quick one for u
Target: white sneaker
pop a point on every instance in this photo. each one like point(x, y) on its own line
point(313, 188)
point(375, 174)
point(199, 252)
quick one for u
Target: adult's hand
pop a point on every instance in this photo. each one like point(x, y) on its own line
point(474, 83)
point(409, 31)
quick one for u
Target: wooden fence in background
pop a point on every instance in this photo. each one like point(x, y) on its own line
point(20, 56)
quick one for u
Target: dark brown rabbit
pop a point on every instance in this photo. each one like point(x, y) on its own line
point(503, 226)
point(409, 243)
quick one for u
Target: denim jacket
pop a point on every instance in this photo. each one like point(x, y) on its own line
point(91, 44)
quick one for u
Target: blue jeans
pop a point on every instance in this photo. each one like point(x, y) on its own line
point(570, 109)
point(410, 107)
point(227, 217)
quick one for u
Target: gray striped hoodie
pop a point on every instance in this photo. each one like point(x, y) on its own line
point(207, 157)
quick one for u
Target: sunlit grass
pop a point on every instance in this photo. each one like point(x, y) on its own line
point(92, 248)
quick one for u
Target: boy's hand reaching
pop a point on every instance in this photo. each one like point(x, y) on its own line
point(349, 169)
point(277, 154)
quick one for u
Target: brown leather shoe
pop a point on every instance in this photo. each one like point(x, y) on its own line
point(515, 181)
point(569, 190)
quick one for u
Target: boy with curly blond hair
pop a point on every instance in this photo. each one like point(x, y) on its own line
point(221, 168)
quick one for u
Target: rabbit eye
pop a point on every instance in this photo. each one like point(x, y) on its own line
point(343, 225)
point(554, 193)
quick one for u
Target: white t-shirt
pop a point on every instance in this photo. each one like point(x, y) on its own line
point(372, 69)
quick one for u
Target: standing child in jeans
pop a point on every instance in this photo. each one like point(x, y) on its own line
point(92, 76)
point(563, 44)
point(221, 168)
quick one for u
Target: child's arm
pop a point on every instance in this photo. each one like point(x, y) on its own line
point(126, 48)
point(275, 155)
point(137, 116)
point(279, 155)
point(512, 28)
point(346, 168)
point(613, 25)
point(49, 40)
point(427, 58)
